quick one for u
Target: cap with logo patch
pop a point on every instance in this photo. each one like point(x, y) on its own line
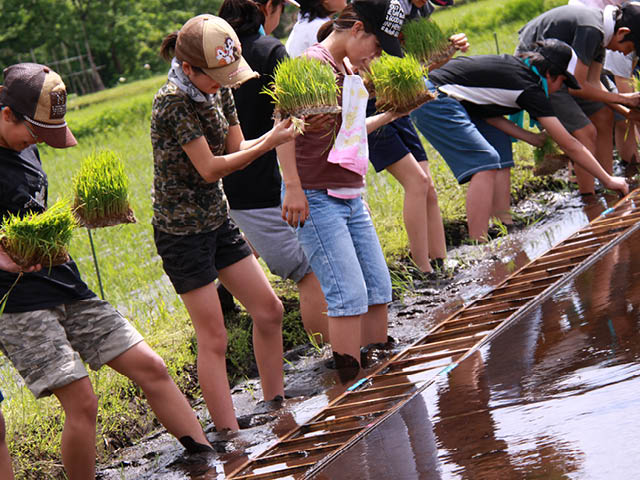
point(209, 42)
point(39, 94)
point(384, 18)
point(562, 56)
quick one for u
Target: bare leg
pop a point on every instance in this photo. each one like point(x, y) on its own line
point(6, 471)
point(204, 309)
point(480, 203)
point(437, 243)
point(248, 283)
point(346, 335)
point(313, 308)
point(373, 327)
point(79, 432)
point(502, 196)
point(415, 183)
point(603, 121)
point(142, 365)
point(586, 136)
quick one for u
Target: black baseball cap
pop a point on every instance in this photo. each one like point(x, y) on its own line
point(630, 18)
point(561, 56)
point(384, 18)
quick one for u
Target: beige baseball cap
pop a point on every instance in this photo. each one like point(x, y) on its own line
point(39, 94)
point(209, 42)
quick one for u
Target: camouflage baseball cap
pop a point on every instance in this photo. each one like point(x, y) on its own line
point(39, 94)
point(209, 42)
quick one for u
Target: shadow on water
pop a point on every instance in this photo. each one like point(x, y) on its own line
point(554, 396)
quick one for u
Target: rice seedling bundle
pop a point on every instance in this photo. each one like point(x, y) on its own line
point(101, 191)
point(399, 83)
point(39, 238)
point(424, 39)
point(549, 158)
point(303, 86)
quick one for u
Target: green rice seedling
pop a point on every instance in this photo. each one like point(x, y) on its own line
point(399, 83)
point(424, 39)
point(549, 158)
point(39, 238)
point(303, 86)
point(101, 191)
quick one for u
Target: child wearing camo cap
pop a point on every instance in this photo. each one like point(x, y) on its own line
point(52, 322)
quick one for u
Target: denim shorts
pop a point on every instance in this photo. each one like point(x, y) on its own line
point(446, 125)
point(341, 244)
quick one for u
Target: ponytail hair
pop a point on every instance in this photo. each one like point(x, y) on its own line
point(168, 47)
point(347, 19)
point(246, 16)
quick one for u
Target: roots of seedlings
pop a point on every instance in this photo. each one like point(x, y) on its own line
point(111, 221)
point(441, 56)
point(551, 163)
point(46, 260)
point(302, 112)
point(424, 97)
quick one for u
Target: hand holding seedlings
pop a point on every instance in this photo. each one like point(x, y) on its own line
point(460, 42)
point(619, 184)
point(632, 99)
point(8, 265)
point(285, 130)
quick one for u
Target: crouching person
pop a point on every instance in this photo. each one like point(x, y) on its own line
point(52, 322)
point(466, 124)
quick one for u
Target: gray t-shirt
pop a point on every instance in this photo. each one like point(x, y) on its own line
point(580, 27)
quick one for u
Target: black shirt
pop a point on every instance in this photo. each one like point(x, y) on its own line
point(23, 189)
point(258, 184)
point(579, 26)
point(493, 86)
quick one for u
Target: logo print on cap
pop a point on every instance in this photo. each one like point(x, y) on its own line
point(58, 104)
point(393, 21)
point(228, 53)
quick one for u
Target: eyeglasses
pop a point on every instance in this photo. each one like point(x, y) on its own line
point(31, 132)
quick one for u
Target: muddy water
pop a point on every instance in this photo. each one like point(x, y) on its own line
point(555, 396)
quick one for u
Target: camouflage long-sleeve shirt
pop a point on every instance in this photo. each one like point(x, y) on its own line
point(183, 202)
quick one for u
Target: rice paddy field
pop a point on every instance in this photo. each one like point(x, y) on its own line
point(118, 120)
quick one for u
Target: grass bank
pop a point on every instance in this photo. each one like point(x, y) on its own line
point(132, 274)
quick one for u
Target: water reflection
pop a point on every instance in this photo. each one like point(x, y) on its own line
point(554, 396)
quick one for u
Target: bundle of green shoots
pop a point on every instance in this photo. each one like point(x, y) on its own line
point(424, 39)
point(101, 191)
point(303, 86)
point(399, 83)
point(39, 238)
point(549, 158)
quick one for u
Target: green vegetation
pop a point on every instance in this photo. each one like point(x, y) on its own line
point(303, 86)
point(133, 271)
point(101, 191)
point(39, 238)
point(549, 158)
point(398, 83)
point(424, 39)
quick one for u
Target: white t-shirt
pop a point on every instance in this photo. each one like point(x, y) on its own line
point(303, 35)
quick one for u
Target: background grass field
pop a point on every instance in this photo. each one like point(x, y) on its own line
point(118, 119)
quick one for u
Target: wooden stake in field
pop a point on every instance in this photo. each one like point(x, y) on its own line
point(101, 191)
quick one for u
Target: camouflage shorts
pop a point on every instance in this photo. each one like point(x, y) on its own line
point(47, 347)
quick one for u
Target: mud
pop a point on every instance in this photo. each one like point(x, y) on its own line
point(553, 396)
point(469, 271)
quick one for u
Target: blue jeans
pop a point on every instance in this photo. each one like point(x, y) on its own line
point(446, 125)
point(342, 246)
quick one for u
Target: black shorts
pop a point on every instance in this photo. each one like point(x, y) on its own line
point(394, 141)
point(193, 261)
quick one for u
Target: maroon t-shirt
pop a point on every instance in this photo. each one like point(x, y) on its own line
point(312, 148)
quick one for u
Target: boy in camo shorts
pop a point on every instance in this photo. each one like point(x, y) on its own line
point(52, 323)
